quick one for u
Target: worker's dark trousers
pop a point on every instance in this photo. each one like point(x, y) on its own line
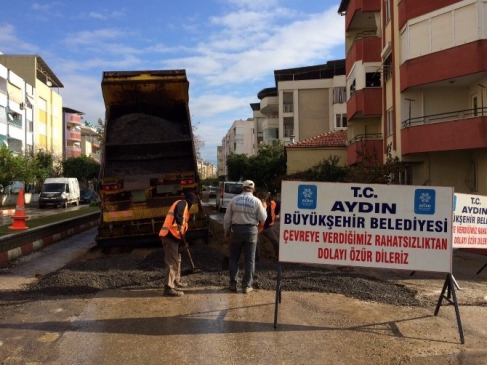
point(172, 259)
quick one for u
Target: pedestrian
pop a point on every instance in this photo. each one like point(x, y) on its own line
point(243, 214)
point(270, 228)
point(172, 235)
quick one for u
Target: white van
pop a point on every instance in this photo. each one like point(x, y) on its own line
point(226, 191)
point(57, 191)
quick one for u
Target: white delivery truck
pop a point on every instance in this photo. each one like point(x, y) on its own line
point(57, 191)
point(226, 191)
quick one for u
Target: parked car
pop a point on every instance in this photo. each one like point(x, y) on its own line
point(87, 196)
point(213, 190)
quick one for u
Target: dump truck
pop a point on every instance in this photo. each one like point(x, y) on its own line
point(148, 157)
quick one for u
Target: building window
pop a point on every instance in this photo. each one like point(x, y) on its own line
point(341, 121)
point(390, 119)
point(287, 102)
point(339, 95)
point(352, 87)
point(372, 79)
point(3, 115)
point(270, 133)
point(30, 126)
point(42, 129)
point(403, 177)
point(388, 67)
point(42, 105)
point(471, 180)
point(288, 127)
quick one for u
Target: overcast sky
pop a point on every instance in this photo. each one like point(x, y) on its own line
point(229, 48)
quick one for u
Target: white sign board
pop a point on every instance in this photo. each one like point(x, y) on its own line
point(379, 226)
point(469, 221)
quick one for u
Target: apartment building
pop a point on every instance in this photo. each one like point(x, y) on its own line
point(90, 145)
point(206, 170)
point(430, 58)
point(305, 102)
point(43, 127)
point(239, 139)
point(72, 132)
point(16, 112)
point(221, 161)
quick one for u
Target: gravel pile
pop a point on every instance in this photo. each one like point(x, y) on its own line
point(143, 268)
point(143, 128)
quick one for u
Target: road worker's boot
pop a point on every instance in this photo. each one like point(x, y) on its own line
point(170, 292)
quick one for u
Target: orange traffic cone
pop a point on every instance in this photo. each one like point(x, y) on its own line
point(19, 216)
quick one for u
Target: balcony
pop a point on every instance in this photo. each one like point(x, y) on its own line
point(457, 130)
point(365, 103)
point(414, 8)
point(365, 48)
point(445, 44)
point(356, 13)
point(73, 136)
point(74, 119)
point(269, 105)
point(452, 63)
point(366, 148)
point(73, 152)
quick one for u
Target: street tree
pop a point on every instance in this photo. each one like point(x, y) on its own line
point(268, 166)
point(7, 167)
point(84, 168)
point(237, 166)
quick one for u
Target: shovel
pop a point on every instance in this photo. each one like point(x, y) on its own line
point(194, 270)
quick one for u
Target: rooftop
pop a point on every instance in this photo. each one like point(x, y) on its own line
point(328, 139)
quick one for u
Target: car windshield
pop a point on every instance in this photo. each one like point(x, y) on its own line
point(53, 188)
point(233, 188)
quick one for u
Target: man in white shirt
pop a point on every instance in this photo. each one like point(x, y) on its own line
point(243, 214)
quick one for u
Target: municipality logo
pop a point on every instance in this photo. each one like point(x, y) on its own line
point(307, 196)
point(424, 201)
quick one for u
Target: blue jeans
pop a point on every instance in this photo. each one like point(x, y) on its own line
point(243, 238)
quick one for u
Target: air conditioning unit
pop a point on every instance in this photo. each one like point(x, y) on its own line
point(22, 106)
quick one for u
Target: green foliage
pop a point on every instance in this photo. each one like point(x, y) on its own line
point(26, 169)
point(7, 169)
point(84, 168)
point(268, 166)
point(100, 131)
point(327, 170)
point(265, 169)
point(237, 166)
point(31, 168)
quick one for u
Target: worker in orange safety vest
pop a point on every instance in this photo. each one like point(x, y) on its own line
point(171, 235)
point(270, 228)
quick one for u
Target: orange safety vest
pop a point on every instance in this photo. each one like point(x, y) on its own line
point(273, 205)
point(170, 224)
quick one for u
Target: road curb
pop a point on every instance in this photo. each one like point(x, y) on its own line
point(53, 233)
point(7, 211)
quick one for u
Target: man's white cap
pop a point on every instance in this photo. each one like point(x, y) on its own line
point(249, 184)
